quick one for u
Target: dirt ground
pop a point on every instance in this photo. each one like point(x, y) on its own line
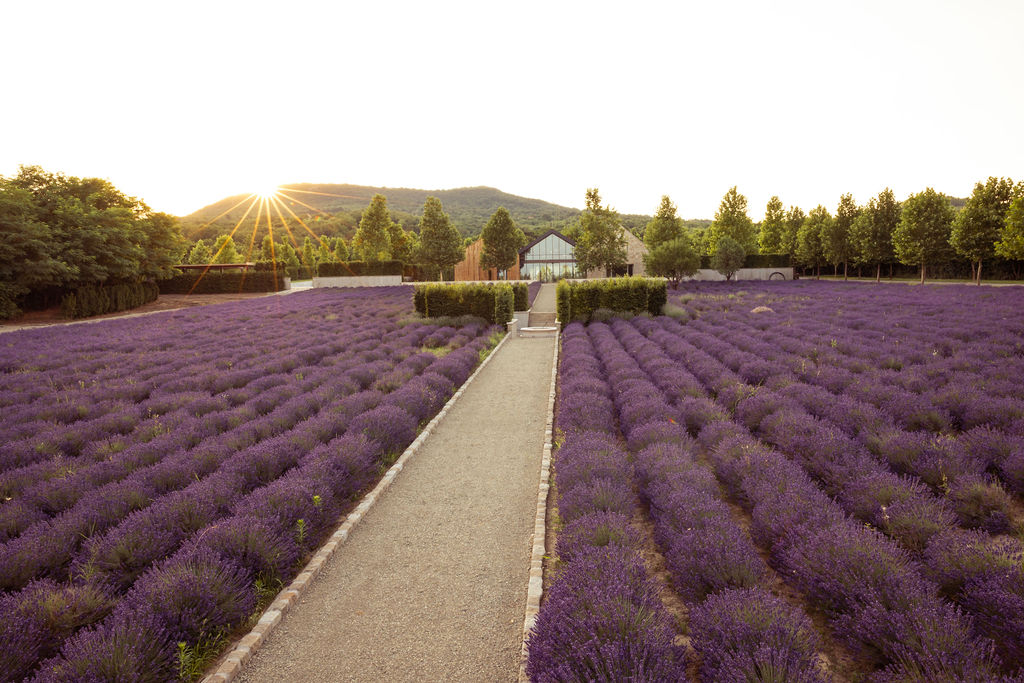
point(165, 302)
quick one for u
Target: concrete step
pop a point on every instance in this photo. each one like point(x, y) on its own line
point(538, 331)
point(538, 319)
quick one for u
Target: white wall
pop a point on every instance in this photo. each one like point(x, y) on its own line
point(358, 281)
point(744, 274)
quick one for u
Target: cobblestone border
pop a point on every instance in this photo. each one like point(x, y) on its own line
point(229, 665)
point(536, 586)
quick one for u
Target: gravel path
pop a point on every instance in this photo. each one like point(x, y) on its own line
point(545, 301)
point(431, 585)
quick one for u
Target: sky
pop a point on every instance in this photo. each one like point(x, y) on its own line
point(184, 103)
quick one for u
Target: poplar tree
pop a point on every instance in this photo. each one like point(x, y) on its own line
point(922, 235)
point(978, 226)
point(665, 226)
point(773, 228)
point(372, 241)
point(502, 241)
point(601, 243)
point(440, 242)
point(731, 220)
point(871, 232)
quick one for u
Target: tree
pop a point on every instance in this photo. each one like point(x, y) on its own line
point(502, 241)
point(440, 242)
point(200, 253)
point(161, 243)
point(922, 235)
point(835, 235)
point(728, 257)
point(403, 243)
point(601, 243)
point(977, 227)
point(340, 249)
point(1011, 238)
point(731, 220)
point(26, 250)
point(225, 251)
point(267, 251)
point(871, 232)
point(675, 259)
point(308, 253)
point(809, 248)
point(372, 241)
point(773, 228)
point(794, 219)
point(324, 253)
point(666, 226)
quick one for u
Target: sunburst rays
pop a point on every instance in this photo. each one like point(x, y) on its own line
point(268, 201)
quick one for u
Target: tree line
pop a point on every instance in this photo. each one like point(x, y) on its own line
point(59, 234)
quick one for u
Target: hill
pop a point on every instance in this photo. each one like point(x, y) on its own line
point(334, 210)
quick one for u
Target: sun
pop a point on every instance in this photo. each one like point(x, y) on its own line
point(267, 192)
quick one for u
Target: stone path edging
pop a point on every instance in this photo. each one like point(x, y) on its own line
point(536, 586)
point(231, 664)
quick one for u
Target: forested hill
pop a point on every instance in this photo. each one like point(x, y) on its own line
point(469, 208)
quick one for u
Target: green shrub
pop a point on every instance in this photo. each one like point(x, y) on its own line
point(99, 299)
point(493, 303)
point(631, 295)
point(522, 295)
point(357, 268)
point(223, 283)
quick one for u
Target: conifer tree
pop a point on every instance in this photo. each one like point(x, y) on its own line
point(665, 226)
point(440, 242)
point(601, 243)
point(773, 228)
point(502, 241)
point(372, 241)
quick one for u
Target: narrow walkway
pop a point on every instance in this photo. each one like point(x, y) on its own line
point(431, 585)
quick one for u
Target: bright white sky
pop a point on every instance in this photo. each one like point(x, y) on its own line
point(183, 103)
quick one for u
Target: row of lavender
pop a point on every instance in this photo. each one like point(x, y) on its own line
point(236, 436)
point(882, 596)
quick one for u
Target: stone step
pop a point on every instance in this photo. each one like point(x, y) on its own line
point(538, 319)
point(538, 331)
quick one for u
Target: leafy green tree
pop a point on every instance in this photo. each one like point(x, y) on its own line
point(225, 251)
point(308, 253)
point(403, 243)
point(200, 253)
point(977, 226)
point(871, 232)
point(1011, 238)
point(324, 253)
point(809, 248)
point(502, 241)
point(440, 242)
point(922, 235)
point(794, 219)
point(372, 241)
point(728, 257)
point(161, 243)
point(673, 259)
point(666, 226)
point(773, 228)
point(835, 235)
point(26, 250)
point(601, 243)
point(267, 250)
point(340, 249)
point(731, 220)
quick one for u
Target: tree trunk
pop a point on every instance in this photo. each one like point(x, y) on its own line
point(878, 272)
point(817, 271)
point(922, 272)
point(846, 267)
point(890, 271)
point(979, 272)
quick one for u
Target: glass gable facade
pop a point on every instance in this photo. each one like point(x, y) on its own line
point(551, 258)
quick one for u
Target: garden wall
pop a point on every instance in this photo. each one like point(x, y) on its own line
point(358, 281)
point(745, 274)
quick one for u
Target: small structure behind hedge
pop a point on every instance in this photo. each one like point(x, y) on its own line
point(492, 302)
point(359, 268)
point(577, 300)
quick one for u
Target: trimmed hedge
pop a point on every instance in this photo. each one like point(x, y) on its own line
point(521, 291)
point(98, 299)
point(577, 300)
point(493, 303)
point(223, 283)
point(357, 268)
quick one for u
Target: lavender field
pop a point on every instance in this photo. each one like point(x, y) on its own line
point(831, 477)
point(162, 477)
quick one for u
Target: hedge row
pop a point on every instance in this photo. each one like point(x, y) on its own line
point(356, 268)
point(494, 303)
point(99, 299)
point(223, 283)
point(577, 300)
point(521, 292)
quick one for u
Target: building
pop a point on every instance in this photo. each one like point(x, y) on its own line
point(549, 257)
point(469, 269)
